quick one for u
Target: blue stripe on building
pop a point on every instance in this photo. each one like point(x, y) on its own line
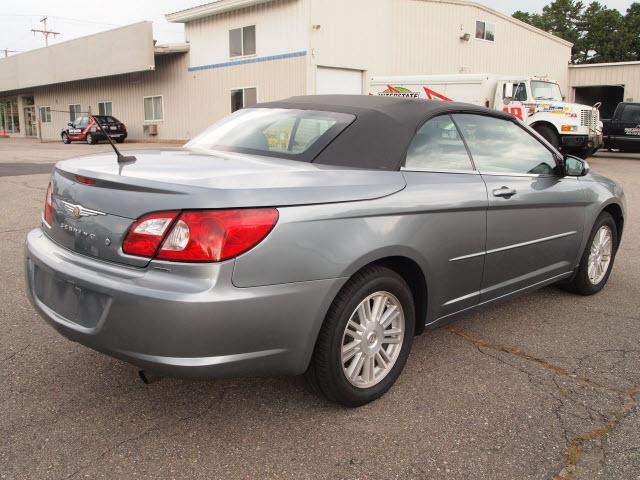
point(269, 58)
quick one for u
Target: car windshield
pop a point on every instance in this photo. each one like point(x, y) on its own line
point(105, 119)
point(287, 133)
point(546, 91)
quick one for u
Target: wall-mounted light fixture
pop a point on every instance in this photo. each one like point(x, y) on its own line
point(315, 27)
point(465, 37)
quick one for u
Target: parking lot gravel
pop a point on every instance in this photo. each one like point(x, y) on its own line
point(539, 387)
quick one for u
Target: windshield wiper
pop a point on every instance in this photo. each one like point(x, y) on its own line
point(121, 158)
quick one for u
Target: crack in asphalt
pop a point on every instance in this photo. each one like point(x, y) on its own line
point(16, 353)
point(576, 443)
point(144, 433)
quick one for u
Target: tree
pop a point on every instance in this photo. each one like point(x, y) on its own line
point(603, 37)
point(563, 19)
point(631, 30)
point(599, 34)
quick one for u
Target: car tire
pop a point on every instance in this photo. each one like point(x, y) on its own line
point(549, 134)
point(91, 140)
point(328, 371)
point(592, 275)
point(65, 139)
point(119, 140)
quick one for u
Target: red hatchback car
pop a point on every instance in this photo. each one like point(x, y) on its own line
point(85, 129)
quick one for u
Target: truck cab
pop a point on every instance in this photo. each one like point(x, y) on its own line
point(539, 102)
point(536, 101)
point(622, 132)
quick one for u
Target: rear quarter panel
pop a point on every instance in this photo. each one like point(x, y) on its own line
point(601, 193)
point(425, 222)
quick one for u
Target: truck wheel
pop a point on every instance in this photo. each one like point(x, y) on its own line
point(549, 134)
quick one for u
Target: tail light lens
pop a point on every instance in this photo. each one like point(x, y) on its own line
point(199, 236)
point(146, 234)
point(48, 205)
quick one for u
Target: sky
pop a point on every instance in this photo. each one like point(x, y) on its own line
point(76, 18)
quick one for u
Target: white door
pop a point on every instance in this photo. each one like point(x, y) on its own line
point(338, 80)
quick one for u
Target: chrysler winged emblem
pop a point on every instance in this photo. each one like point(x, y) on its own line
point(79, 211)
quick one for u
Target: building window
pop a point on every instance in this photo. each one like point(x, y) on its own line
point(243, 97)
point(9, 115)
point(485, 31)
point(242, 41)
point(105, 108)
point(45, 114)
point(153, 109)
point(74, 112)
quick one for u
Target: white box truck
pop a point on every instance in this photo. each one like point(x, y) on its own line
point(536, 101)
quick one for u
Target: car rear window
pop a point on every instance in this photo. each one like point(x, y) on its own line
point(280, 132)
point(106, 119)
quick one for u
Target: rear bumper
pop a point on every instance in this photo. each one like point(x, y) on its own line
point(190, 321)
point(102, 136)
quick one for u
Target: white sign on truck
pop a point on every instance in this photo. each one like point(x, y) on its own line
point(536, 101)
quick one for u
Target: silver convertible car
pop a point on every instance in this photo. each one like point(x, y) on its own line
point(314, 235)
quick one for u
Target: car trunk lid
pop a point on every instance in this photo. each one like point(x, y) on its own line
point(95, 199)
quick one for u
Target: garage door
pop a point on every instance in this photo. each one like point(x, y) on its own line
point(338, 80)
point(609, 95)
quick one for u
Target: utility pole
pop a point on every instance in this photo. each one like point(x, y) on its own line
point(44, 31)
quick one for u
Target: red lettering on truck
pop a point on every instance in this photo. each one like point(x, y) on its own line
point(515, 111)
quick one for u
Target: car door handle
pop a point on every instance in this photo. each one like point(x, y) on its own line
point(504, 192)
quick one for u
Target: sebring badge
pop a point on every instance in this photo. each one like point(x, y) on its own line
point(79, 211)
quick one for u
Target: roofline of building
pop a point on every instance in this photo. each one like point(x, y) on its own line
point(220, 6)
point(83, 37)
point(209, 9)
point(170, 48)
point(609, 64)
point(508, 18)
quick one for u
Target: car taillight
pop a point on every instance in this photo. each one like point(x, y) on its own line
point(203, 236)
point(85, 180)
point(48, 205)
point(146, 234)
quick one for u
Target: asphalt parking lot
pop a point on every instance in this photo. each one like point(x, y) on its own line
point(540, 387)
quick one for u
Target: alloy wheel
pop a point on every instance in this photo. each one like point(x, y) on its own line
point(372, 339)
point(600, 255)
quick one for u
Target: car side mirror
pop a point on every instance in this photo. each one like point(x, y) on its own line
point(575, 167)
point(69, 124)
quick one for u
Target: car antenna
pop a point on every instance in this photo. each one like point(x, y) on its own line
point(121, 158)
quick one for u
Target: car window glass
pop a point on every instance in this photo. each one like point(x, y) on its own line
point(278, 136)
point(438, 146)
point(502, 146)
point(287, 133)
point(77, 122)
point(308, 131)
point(84, 121)
point(631, 113)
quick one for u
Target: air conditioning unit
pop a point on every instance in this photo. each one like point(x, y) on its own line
point(151, 129)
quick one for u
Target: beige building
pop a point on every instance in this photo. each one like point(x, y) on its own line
point(239, 52)
point(609, 83)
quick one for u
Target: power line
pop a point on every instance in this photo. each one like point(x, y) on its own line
point(7, 52)
point(59, 18)
point(44, 31)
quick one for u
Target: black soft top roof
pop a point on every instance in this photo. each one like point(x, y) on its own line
point(384, 127)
